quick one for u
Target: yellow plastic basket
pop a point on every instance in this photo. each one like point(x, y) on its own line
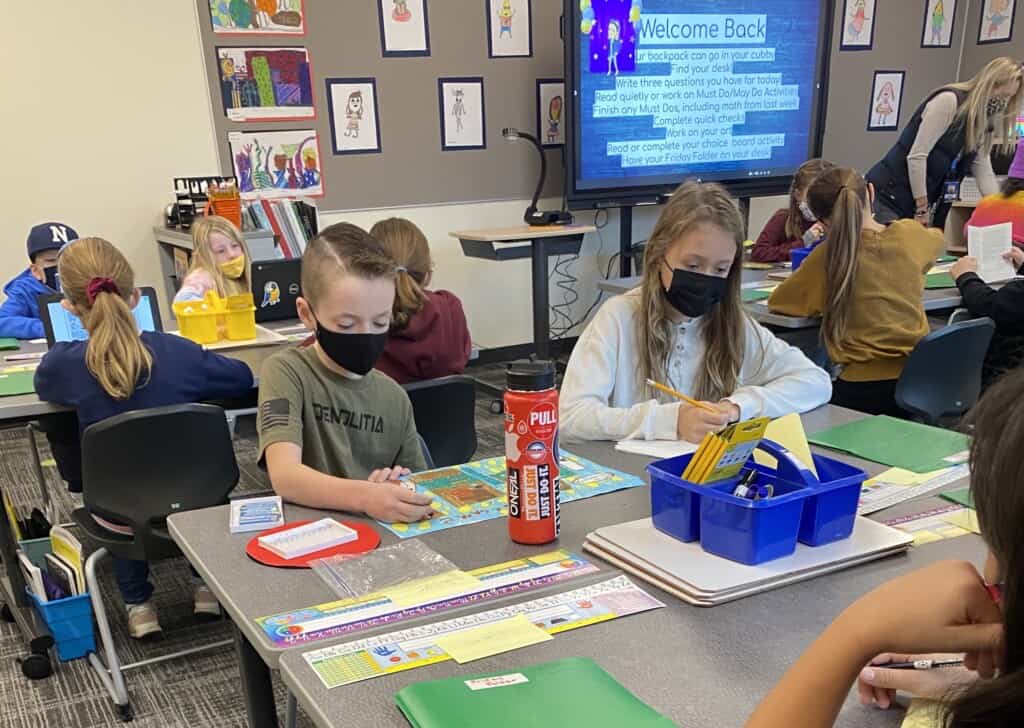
point(197, 321)
point(240, 317)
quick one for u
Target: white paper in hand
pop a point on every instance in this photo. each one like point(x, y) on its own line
point(988, 244)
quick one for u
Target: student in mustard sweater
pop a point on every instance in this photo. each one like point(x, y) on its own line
point(866, 282)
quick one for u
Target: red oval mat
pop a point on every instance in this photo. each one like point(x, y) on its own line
point(368, 540)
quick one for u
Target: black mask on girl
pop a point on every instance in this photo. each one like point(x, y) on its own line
point(355, 352)
point(694, 294)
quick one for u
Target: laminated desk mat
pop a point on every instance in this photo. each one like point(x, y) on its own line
point(897, 443)
point(16, 382)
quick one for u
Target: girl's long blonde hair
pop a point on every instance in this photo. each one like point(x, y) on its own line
point(973, 112)
point(408, 246)
point(723, 327)
point(838, 196)
point(202, 256)
point(98, 281)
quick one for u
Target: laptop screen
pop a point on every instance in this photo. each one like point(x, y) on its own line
point(68, 327)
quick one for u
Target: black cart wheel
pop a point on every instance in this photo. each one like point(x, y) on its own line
point(125, 712)
point(6, 614)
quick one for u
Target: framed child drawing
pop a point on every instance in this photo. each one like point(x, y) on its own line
point(886, 99)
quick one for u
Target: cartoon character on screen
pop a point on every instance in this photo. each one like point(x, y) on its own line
point(458, 108)
point(354, 113)
point(401, 12)
point(884, 103)
point(857, 20)
point(271, 294)
point(614, 45)
point(505, 18)
point(554, 119)
point(938, 22)
point(997, 16)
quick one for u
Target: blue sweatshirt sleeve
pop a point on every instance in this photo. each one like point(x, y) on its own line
point(18, 320)
point(52, 380)
point(223, 378)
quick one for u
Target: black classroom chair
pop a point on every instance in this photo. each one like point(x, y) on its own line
point(445, 413)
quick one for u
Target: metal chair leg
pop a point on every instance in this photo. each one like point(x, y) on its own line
point(37, 466)
point(110, 673)
point(291, 711)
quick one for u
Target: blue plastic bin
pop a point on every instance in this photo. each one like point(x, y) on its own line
point(797, 255)
point(70, 622)
point(802, 508)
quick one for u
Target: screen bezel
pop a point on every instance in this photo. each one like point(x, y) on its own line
point(629, 195)
point(44, 301)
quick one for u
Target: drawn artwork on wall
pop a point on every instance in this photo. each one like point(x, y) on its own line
point(272, 164)
point(939, 19)
point(509, 28)
point(858, 25)
point(265, 84)
point(462, 113)
point(550, 116)
point(886, 98)
point(258, 17)
point(404, 28)
point(355, 117)
point(996, 24)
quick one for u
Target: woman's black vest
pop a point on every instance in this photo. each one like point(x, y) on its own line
point(891, 177)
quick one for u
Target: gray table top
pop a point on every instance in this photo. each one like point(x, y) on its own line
point(933, 300)
point(248, 590)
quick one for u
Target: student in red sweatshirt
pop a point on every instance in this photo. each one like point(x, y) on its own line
point(792, 227)
point(429, 336)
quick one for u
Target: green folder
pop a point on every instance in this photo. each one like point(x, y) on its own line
point(752, 294)
point(939, 280)
point(9, 344)
point(897, 443)
point(961, 496)
point(16, 383)
point(570, 693)
point(947, 259)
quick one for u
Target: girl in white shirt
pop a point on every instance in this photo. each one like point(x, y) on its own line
point(684, 326)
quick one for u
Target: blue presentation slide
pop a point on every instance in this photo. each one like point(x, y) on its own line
point(68, 327)
point(716, 89)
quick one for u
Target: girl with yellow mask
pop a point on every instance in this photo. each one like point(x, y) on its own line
point(220, 261)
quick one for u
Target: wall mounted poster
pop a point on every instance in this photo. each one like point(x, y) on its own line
point(258, 17)
point(550, 103)
point(271, 164)
point(265, 84)
point(509, 28)
point(858, 25)
point(404, 28)
point(996, 24)
point(355, 118)
point(939, 17)
point(886, 98)
point(462, 113)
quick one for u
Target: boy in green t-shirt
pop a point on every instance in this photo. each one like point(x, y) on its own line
point(334, 432)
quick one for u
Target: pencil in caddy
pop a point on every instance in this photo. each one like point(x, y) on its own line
point(800, 508)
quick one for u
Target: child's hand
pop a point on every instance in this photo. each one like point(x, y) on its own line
point(692, 423)
point(879, 685)
point(383, 475)
point(391, 502)
point(967, 264)
point(1015, 256)
point(944, 607)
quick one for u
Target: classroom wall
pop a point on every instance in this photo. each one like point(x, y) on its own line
point(101, 110)
point(976, 56)
point(897, 46)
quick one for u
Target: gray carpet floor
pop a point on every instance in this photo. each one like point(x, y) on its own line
point(198, 691)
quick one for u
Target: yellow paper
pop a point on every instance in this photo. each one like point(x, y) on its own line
point(966, 519)
point(432, 588)
point(492, 639)
point(899, 476)
point(923, 714)
point(789, 432)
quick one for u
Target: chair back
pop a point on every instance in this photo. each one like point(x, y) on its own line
point(942, 377)
point(445, 413)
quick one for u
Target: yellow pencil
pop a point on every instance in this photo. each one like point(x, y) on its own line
point(679, 395)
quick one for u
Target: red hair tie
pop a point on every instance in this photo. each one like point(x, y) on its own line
point(100, 285)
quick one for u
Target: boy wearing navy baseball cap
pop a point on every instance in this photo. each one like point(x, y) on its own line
point(19, 314)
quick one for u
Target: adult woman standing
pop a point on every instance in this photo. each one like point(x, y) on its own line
point(950, 135)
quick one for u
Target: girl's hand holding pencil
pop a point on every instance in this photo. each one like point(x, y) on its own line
point(697, 418)
point(878, 682)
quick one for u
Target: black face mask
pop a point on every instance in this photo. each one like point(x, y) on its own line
point(694, 294)
point(51, 277)
point(355, 352)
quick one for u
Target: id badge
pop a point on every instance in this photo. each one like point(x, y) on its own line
point(951, 190)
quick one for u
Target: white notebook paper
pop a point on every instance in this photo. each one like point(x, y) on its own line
point(659, 449)
point(988, 244)
point(307, 539)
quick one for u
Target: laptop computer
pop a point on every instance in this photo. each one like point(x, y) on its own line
point(61, 325)
point(275, 286)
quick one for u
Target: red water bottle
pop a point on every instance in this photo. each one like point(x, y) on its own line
point(531, 452)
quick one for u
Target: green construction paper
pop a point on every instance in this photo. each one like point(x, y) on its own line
point(939, 280)
point(961, 496)
point(752, 294)
point(7, 344)
point(897, 443)
point(16, 383)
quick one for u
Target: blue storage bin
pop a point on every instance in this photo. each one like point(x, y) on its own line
point(797, 255)
point(70, 622)
point(803, 508)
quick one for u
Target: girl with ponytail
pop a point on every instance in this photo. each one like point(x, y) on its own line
point(118, 369)
point(429, 336)
point(865, 281)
